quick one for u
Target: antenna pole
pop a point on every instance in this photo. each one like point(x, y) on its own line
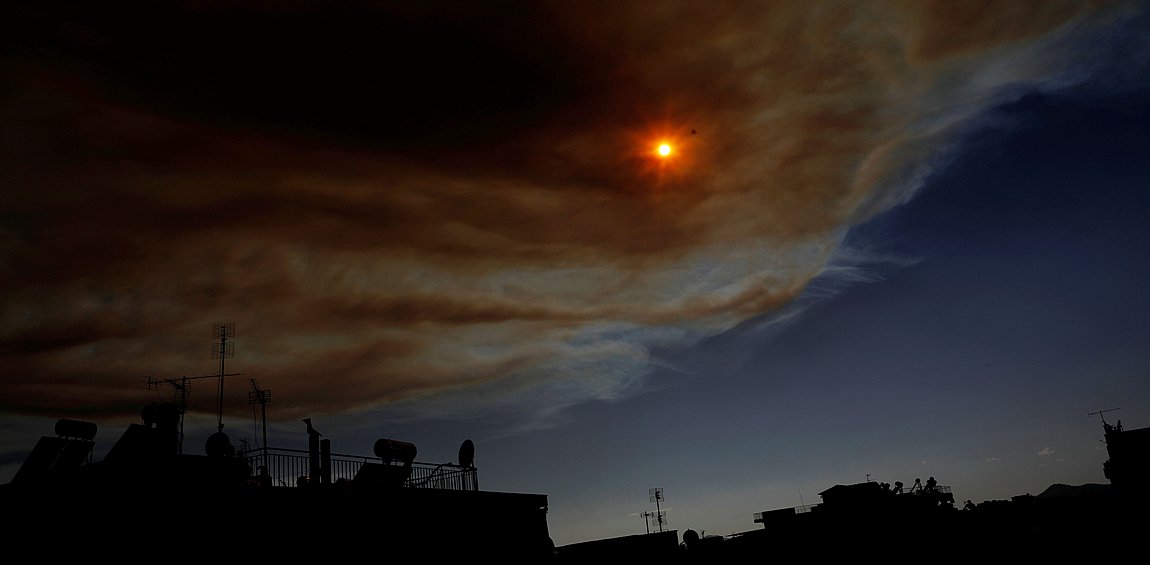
point(658, 497)
point(183, 409)
point(222, 331)
point(220, 391)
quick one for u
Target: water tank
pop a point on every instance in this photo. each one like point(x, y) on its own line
point(392, 450)
point(219, 445)
point(75, 429)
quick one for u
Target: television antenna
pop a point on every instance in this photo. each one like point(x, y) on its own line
point(1101, 412)
point(647, 519)
point(224, 350)
point(183, 386)
point(657, 498)
point(262, 397)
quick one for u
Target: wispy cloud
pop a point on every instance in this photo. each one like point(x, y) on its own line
point(1045, 451)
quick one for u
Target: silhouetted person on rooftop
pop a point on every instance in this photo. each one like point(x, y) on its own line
point(917, 485)
point(931, 484)
point(897, 487)
point(264, 479)
point(968, 506)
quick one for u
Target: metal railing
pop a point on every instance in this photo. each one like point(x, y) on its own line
point(927, 490)
point(292, 468)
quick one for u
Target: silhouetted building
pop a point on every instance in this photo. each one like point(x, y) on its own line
point(780, 521)
point(1128, 466)
point(874, 520)
point(148, 500)
point(658, 545)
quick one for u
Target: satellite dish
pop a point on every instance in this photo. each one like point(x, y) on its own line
point(467, 454)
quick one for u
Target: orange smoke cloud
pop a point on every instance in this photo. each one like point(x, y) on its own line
point(382, 229)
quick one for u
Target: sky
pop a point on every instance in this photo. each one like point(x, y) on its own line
point(892, 240)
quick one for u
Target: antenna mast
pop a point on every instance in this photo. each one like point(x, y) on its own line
point(225, 350)
point(657, 497)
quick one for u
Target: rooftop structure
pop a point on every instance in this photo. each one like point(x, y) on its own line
point(149, 498)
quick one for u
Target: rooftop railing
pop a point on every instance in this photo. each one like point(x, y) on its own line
point(292, 468)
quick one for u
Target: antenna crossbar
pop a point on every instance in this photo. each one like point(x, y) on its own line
point(1101, 413)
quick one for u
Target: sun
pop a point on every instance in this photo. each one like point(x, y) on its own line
point(664, 153)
